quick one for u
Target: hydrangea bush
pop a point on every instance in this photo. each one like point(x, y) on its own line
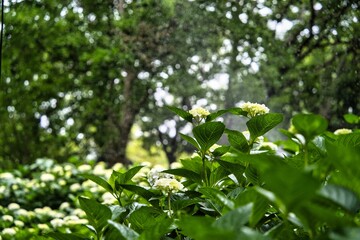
point(304, 187)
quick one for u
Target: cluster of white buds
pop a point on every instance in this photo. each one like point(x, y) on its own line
point(254, 109)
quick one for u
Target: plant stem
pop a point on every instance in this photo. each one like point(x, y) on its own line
point(169, 203)
point(204, 170)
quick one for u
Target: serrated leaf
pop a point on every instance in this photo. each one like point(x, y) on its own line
point(185, 173)
point(181, 113)
point(215, 115)
point(143, 218)
point(97, 213)
point(146, 194)
point(234, 219)
point(200, 228)
point(190, 140)
point(125, 231)
point(208, 134)
point(158, 229)
point(217, 197)
point(341, 196)
point(99, 181)
point(129, 174)
point(261, 124)
point(349, 140)
point(183, 203)
point(309, 125)
point(217, 175)
point(238, 140)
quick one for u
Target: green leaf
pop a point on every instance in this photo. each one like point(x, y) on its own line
point(234, 219)
point(341, 196)
point(190, 140)
point(218, 174)
point(352, 118)
point(129, 174)
point(349, 140)
point(183, 203)
point(215, 115)
point(235, 168)
point(261, 124)
point(158, 229)
point(181, 113)
point(238, 140)
point(125, 231)
point(200, 228)
point(185, 173)
point(65, 236)
point(217, 197)
point(208, 134)
point(309, 125)
point(146, 194)
point(99, 181)
point(143, 218)
point(97, 213)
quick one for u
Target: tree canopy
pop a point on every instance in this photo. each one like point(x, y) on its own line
point(77, 75)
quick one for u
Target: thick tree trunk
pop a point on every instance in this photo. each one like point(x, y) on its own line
point(132, 103)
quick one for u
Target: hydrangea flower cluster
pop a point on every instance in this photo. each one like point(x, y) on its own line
point(254, 109)
point(199, 112)
point(342, 131)
point(168, 185)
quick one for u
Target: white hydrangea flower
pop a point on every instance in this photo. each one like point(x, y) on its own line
point(13, 206)
point(254, 109)
point(79, 212)
point(75, 187)
point(199, 112)
point(43, 226)
point(168, 185)
point(19, 223)
point(9, 231)
point(342, 131)
point(22, 212)
point(57, 222)
point(7, 218)
point(6, 175)
point(64, 205)
point(47, 177)
point(84, 168)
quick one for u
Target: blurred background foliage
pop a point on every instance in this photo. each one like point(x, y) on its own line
point(84, 78)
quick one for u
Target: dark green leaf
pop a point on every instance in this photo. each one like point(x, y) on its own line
point(100, 181)
point(342, 196)
point(208, 134)
point(200, 228)
point(309, 125)
point(238, 140)
point(124, 231)
point(234, 219)
point(181, 113)
point(158, 229)
point(190, 140)
point(261, 124)
point(146, 194)
point(96, 213)
point(217, 197)
point(185, 173)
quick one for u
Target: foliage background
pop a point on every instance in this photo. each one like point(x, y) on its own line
point(78, 75)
